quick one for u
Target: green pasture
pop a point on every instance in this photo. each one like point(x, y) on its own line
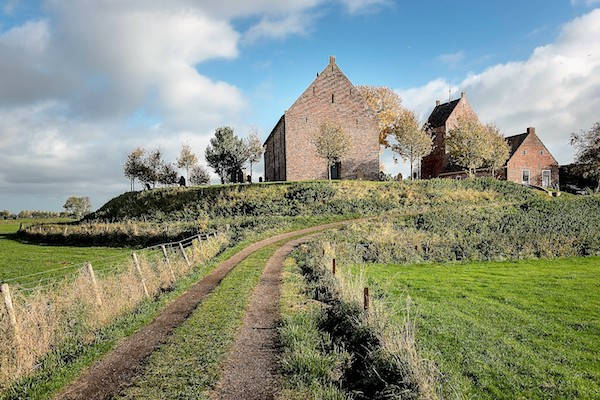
point(504, 330)
point(19, 259)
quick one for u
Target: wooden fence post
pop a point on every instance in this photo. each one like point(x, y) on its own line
point(366, 299)
point(90, 271)
point(164, 251)
point(139, 271)
point(10, 310)
point(333, 266)
point(183, 253)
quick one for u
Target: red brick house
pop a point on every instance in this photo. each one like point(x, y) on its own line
point(290, 154)
point(529, 161)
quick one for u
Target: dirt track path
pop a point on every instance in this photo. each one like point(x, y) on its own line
point(108, 376)
point(249, 371)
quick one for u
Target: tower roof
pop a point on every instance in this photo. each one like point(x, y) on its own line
point(441, 113)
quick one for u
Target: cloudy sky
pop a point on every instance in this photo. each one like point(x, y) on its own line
point(82, 82)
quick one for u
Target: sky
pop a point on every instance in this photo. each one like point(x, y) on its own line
point(84, 82)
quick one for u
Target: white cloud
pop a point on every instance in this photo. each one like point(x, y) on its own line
point(358, 6)
point(451, 59)
point(279, 28)
point(10, 6)
point(91, 79)
point(557, 89)
point(587, 3)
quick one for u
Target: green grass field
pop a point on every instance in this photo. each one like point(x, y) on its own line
point(19, 259)
point(504, 330)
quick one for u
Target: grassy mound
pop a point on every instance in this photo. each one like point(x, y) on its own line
point(168, 214)
point(299, 198)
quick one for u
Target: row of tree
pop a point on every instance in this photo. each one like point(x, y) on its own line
point(150, 168)
point(227, 154)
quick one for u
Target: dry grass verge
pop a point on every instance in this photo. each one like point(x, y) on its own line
point(385, 363)
point(70, 310)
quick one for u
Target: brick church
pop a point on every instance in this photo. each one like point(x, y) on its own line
point(529, 160)
point(290, 154)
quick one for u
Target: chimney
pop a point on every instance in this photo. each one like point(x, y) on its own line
point(331, 60)
point(462, 95)
point(437, 103)
point(530, 130)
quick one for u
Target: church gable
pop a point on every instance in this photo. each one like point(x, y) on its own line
point(331, 97)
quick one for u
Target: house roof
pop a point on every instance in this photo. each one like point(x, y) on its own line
point(514, 142)
point(440, 113)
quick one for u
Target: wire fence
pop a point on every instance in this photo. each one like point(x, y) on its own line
point(50, 276)
point(40, 310)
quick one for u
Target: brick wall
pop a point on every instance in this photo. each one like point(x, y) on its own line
point(275, 153)
point(532, 155)
point(346, 108)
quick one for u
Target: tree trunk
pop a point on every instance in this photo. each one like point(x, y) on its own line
point(250, 171)
point(598, 187)
point(328, 171)
point(411, 168)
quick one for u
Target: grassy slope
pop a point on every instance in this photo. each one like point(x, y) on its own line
point(528, 329)
point(23, 259)
point(188, 366)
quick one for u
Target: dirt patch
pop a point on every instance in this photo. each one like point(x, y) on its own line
point(250, 370)
point(110, 375)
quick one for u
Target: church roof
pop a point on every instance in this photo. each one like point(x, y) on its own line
point(440, 114)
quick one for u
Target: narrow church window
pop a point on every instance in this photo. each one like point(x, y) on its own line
point(313, 90)
point(524, 152)
point(542, 152)
point(350, 91)
point(332, 99)
point(306, 119)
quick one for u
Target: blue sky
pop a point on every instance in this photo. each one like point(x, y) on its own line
point(85, 81)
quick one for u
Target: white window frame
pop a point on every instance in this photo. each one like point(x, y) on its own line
point(549, 176)
point(528, 177)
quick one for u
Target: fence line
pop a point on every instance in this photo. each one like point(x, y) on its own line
point(34, 320)
point(98, 262)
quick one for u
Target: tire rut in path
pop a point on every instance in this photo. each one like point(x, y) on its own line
point(111, 374)
point(250, 369)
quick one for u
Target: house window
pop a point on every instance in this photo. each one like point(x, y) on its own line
point(546, 178)
point(525, 179)
point(332, 98)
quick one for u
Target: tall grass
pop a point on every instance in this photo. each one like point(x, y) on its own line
point(397, 349)
point(68, 311)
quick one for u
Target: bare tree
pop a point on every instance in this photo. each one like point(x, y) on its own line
point(199, 175)
point(167, 174)
point(134, 166)
point(412, 141)
point(187, 159)
point(153, 163)
point(332, 143)
point(78, 206)
point(587, 153)
point(255, 149)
